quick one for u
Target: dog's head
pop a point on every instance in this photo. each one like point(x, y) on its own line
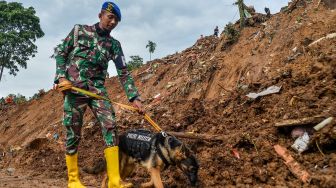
point(189, 166)
point(183, 158)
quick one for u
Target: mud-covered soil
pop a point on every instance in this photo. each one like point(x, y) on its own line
point(203, 90)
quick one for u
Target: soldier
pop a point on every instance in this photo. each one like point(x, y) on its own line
point(82, 61)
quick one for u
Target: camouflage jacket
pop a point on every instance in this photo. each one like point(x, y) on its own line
point(84, 61)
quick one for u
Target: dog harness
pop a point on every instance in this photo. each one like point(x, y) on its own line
point(137, 143)
point(167, 162)
point(140, 144)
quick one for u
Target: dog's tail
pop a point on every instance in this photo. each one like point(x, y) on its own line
point(98, 167)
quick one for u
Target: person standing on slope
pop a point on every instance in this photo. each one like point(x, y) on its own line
point(82, 61)
point(216, 30)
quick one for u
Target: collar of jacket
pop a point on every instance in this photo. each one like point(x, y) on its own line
point(101, 32)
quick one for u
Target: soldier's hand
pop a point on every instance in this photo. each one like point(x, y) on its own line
point(63, 85)
point(137, 104)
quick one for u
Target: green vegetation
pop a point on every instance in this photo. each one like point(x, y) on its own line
point(20, 99)
point(135, 62)
point(231, 33)
point(38, 95)
point(19, 29)
point(151, 48)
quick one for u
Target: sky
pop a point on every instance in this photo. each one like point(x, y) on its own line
point(173, 25)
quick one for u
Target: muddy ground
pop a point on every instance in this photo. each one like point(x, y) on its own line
point(203, 90)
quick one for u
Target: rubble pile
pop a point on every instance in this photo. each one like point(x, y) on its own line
point(269, 97)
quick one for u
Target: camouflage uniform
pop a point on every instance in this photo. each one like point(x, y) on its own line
point(83, 59)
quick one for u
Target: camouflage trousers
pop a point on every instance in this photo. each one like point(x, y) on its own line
point(74, 109)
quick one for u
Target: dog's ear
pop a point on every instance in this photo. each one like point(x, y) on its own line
point(173, 142)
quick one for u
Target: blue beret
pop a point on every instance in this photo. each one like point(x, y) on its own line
point(112, 8)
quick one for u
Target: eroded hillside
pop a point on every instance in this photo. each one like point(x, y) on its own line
point(203, 90)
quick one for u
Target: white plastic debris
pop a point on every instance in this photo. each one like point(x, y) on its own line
point(323, 123)
point(295, 49)
point(157, 96)
point(301, 144)
point(269, 90)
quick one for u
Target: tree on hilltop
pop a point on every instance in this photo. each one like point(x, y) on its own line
point(19, 29)
point(151, 48)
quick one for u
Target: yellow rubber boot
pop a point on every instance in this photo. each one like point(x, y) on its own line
point(73, 175)
point(112, 163)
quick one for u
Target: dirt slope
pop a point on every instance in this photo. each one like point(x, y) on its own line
point(203, 89)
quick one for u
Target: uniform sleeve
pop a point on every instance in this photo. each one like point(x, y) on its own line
point(125, 77)
point(61, 54)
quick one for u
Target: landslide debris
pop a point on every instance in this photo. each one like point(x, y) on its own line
point(203, 90)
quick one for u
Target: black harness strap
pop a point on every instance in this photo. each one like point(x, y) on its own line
point(163, 158)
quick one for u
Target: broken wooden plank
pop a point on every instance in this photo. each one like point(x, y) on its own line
point(301, 121)
point(329, 36)
point(293, 165)
point(198, 136)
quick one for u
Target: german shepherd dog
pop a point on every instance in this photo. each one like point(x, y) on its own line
point(154, 151)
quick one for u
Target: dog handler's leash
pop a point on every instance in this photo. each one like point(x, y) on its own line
point(146, 116)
